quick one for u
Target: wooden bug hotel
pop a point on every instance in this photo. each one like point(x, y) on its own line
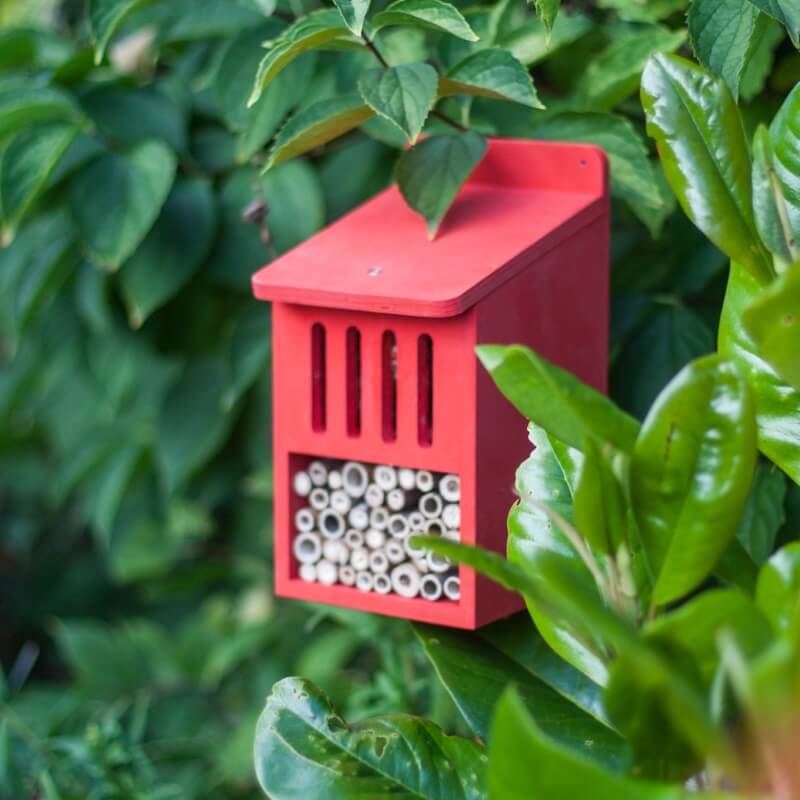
point(385, 424)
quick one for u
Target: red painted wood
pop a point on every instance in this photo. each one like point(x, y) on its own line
point(524, 199)
point(538, 277)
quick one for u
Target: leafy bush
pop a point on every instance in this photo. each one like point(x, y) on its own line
point(134, 392)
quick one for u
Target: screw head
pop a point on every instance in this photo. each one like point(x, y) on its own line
point(374, 272)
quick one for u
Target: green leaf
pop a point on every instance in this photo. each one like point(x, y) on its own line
point(194, 421)
point(776, 401)
point(403, 95)
point(634, 178)
point(612, 76)
point(126, 193)
point(172, 252)
point(638, 11)
point(778, 589)
point(525, 763)
point(435, 15)
point(431, 173)
point(354, 12)
point(555, 399)
point(764, 513)
point(492, 73)
point(26, 164)
point(317, 124)
point(705, 155)
point(769, 201)
point(773, 320)
point(786, 12)
point(724, 34)
point(600, 507)
point(105, 19)
point(475, 674)
point(547, 11)
point(20, 107)
point(303, 749)
point(691, 472)
point(532, 43)
point(311, 31)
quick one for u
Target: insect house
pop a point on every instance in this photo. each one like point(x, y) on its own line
point(385, 423)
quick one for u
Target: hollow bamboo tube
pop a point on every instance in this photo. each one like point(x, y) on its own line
point(308, 573)
point(386, 477)
point(382, 583)
point(450, 488)
point(304, 520)
point(307, 548)
point(301, 483)
point(319, 498)
point(406, 580)
point(327, 573)
point(355, 479)
point(365, 581)
point(452, 587)
point(431, 586)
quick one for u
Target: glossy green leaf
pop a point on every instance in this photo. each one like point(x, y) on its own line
point(613, 75)
point(725, 33)
point(105, 19)
point(26, 164)
point(555, 399)
point(776, 400)
point(126, 193)
point(305, 751)
point(786, 12)
point(172, 252)
point(317, 124)
point(691, 472)
point(476, 674)
point(547, 11)
point(430, 174)
point(550, 770)
point(309, 32)
point(764, 513)
point(705, 155)
point(773, 321)
point(354, 12)
point(769, 201)
point(435, 15)
point(778, 589)
point(634, 178)
point(492, 73)
point(600, 507)
point(23, 106)
point(403, 95)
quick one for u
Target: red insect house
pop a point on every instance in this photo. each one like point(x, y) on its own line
point(385, 423)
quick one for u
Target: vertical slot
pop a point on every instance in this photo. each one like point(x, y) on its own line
point(389, 386)
point(425, 390)
point(318, 377)
point(353, 346)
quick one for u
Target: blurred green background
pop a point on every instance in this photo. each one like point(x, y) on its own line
point(139, 633)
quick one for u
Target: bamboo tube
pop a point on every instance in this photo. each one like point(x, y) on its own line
point(431, 586)
point(307, 548)
point(398, 525)
point(406, 580)
point(304, 520)
point(386, 477)
point(378, 562)
point(318, 472)
point(406, 479)
point(365, 581)
point(335, 481)
point(327, 573)
point(354, 539)
point(374, 495)
point(341, 501)
point(396, 500)
point(331, 524)
point(395, 551)
point(355, 479)
point(434, 527)
point(347, 575)
point(336, 551)
point(301, 483)
point(450, 488)
point(452, 587)
point(383, 583)
point(424, 480)
point(359, 559)
point(438, 563)
point(451, 515)
point(431, 505)
point(421, 564)
point(375, 539)
point(416, 521)
point(319, 499)
point(412, 550)
point(308, 573)
point(358, 517)
point(379, 518)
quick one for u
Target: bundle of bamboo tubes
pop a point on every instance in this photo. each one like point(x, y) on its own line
point(357, 521)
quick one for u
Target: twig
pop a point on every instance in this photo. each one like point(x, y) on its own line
point(373, 48)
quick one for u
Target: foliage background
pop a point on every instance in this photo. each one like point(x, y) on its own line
point(139, 633)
